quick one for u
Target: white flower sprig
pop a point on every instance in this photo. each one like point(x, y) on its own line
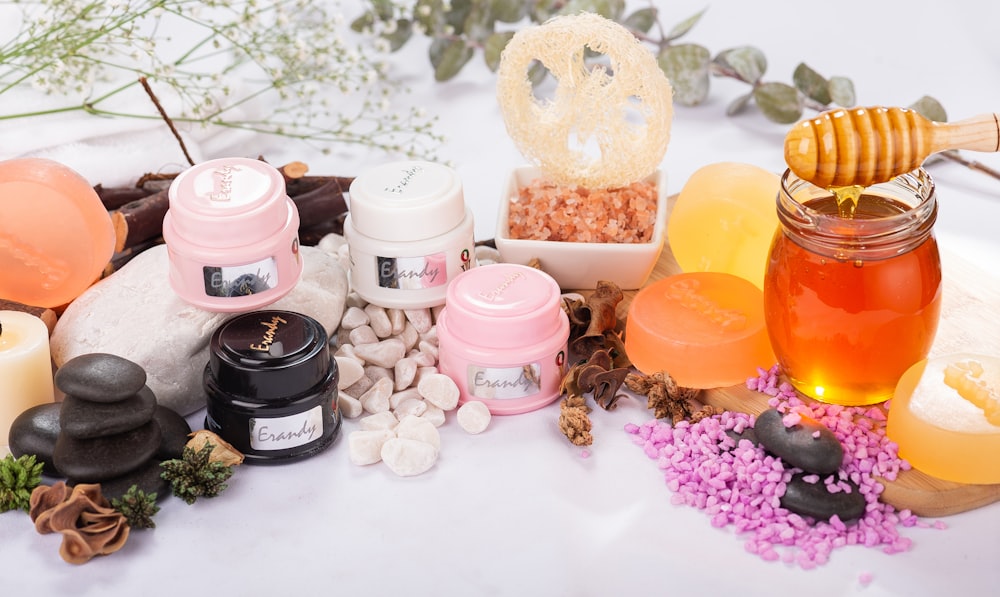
point(281, 67)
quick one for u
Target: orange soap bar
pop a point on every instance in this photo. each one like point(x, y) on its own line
point(706, 329)
point(724, 220)
point(55, 234)
point(945, 416)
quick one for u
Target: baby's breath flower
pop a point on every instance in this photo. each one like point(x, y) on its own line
point(294, 51)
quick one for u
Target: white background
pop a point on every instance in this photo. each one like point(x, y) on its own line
point(517, 510)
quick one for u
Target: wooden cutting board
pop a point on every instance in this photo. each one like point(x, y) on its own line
point(970, 303)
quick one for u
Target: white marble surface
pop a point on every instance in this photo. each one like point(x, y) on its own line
point(517, 510)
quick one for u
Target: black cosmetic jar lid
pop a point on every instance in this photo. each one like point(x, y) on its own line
point(272, 386)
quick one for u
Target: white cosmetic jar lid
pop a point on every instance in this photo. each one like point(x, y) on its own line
point(406, 201)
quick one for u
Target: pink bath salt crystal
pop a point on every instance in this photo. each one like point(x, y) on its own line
point(584, 453)
point(865, 578)
point(631, 428)
point(792, 419)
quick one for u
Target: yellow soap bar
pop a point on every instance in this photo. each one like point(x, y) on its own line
point(706, 329)
point(724, 220)
point(940, 418)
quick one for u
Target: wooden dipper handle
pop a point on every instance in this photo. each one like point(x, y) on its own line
point(865, 146)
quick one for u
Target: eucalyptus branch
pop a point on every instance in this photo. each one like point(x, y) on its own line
point(459, 28)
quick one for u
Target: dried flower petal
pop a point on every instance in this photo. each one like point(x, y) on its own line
point(222, 451)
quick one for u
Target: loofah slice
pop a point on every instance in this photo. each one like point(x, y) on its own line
point(623, 109)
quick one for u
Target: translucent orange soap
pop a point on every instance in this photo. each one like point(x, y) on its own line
point(706, 329)
point(55, 234)
point(945, 416)
point(724, 219)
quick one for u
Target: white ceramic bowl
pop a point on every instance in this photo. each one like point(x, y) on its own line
point(579, 266)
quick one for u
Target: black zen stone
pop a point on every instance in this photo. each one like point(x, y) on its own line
point(175, 430)
point(815, 500)
point(100, 377)
point(97, 459)
point(808, 445)
point(35, 431)
point(147, 478)
point(84, 419)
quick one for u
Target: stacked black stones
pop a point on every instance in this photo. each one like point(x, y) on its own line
point(110, 429)
point(808, 445)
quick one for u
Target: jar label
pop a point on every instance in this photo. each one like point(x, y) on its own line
point(504, 383)
point(412, 273)
point(241, 280)
point(281, 433)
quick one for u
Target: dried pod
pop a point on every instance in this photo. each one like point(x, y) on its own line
point(222, 451)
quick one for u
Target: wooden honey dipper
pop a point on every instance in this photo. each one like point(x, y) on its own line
point(865, 146)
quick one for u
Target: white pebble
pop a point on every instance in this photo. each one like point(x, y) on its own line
point(420, 318)
point(414, 427)
point(375, 373)
point(424, 359)
point(365, 446)
point(409, 336)
point(353, 318)
point(363, 335)
point(347, 350)
point(440, 390)
point(434, 414)
point(358, 388)
point(423, 372)
point(410, 407)
point(350, 371)
point(407, 394)
point(408, 457)
point(474, 416)
point(376, 399)
point(397, 319)
point(486, 255)
point(331, 243)
point(379, 320)
point(404, 372)
point(381, 420)
point(429, 348)
point(383, 354)
point(349, 406)
point(354, 300)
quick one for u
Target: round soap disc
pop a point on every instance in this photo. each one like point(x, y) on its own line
point(56, 236)
point(945, 417)
point(724, 219)
point(706, 329)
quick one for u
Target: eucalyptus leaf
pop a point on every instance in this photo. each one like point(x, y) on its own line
point(684, 26)
point(456, 16)
point(779, 102)
point(688, 68)
point(930, 108)
point(842, 91)
point(641, 20)
point(737, 105)
point(508, 11)
point(383, 8)
point(542, 10)
point(610, 9)
point(479, 23)
point(812, 84)
point(398, 38)
point(493, 48)
point(448, 56)
point(747, 62)
point(429, 14)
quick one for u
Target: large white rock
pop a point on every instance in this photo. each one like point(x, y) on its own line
point(136, 315)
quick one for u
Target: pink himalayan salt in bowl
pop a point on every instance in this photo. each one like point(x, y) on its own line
point(580, 265)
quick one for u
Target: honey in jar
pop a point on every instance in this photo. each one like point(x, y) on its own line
point(852, 292)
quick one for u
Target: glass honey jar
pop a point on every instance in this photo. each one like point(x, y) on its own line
point(852, 291)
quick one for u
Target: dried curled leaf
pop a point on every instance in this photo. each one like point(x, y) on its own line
point(89, 525)
point(222, 451)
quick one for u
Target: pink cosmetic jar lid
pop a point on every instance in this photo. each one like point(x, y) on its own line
point(232, 235)
point(502, 337)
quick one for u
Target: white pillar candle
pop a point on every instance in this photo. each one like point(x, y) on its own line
point(25, 367)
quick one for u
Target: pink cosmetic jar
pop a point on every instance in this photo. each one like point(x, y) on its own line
point(502, 337)
point(232, 235)
point(409, 233)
